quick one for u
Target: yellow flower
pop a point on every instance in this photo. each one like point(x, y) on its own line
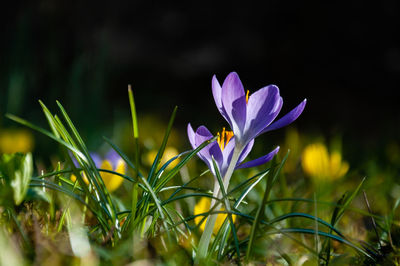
point(204, 206)
point(73, 178)
point(112, 162)
point(318, 163)
point(16, 140)
point(187, 242)
point(169, 153)
point(112, 181)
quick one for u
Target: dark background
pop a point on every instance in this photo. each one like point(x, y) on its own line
point(343, 57)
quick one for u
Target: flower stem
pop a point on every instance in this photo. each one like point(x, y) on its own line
point(208, 230)
point(232, 165)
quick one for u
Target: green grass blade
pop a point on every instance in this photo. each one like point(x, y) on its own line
point(88, 164)
point(248, 189)
point(21, 230)
point(247, 182)
point(98, 181)
point(225, 229)
point(157, 202)
point(182, 221)
point(53, 186)
point(186, 184)
point(49, 118)
point(327, 243)
point(260, 212)
point(347, 202)
point(123, 155)
point(135, 192)
point(321, 233)
point(339, 211)
point(65, 142)
point(135, 195)
point(164, 166)
point(307, 216)
point(151, 178)
point(221, 239)
point(164, 180)
point(311, 201)
point(228, 208)
point(248, 217)
point(169, 200)
point(271, 179)
point(181, 188)
point(172, 226)
point(46, 133)
point(286, 231)
point(133, 113)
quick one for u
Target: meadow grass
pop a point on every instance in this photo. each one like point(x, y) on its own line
point(270, 216)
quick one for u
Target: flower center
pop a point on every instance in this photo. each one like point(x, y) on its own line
point(247, 96)
point(224, 138)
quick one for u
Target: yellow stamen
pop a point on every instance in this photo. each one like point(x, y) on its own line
point(222, 141)
point(247, 96)
point(229, 135)
point(224, 138)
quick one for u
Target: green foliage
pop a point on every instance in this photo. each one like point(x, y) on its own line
point(15, 172)
point(151, 217)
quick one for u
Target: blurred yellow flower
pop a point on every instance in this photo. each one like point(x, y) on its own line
point(204, 206)
point(112, 181)
point(16, 140)
point(169, 153)
point(318, 163)
point(112, 162)
point(73, 178)
point(187, 241)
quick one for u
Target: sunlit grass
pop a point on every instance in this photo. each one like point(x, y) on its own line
point(151, 205)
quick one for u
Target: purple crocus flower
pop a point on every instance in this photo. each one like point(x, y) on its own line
point(248, 116)
point(251, 115)
point(112, 157)
point(95, 157)
point(222, 150)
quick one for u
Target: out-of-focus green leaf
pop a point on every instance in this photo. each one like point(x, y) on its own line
point(17, 170)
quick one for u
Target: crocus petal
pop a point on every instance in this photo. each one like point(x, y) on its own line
point(191, 136)
point(202, 134)
point(263, 107)
point(211, 150)
point(261, 160)
point(192, 139)
point(113, 157)
point(227, 155)
point(96, 159)
point(234, 102)
point(74, 161)
point(229, 148)
point(245, 151)
point(217, 94)
point(288, 118)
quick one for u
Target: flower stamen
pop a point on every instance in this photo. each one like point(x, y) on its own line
point(224, 138)
point(247, 96)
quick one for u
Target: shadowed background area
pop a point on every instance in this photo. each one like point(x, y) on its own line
point(344, 58)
